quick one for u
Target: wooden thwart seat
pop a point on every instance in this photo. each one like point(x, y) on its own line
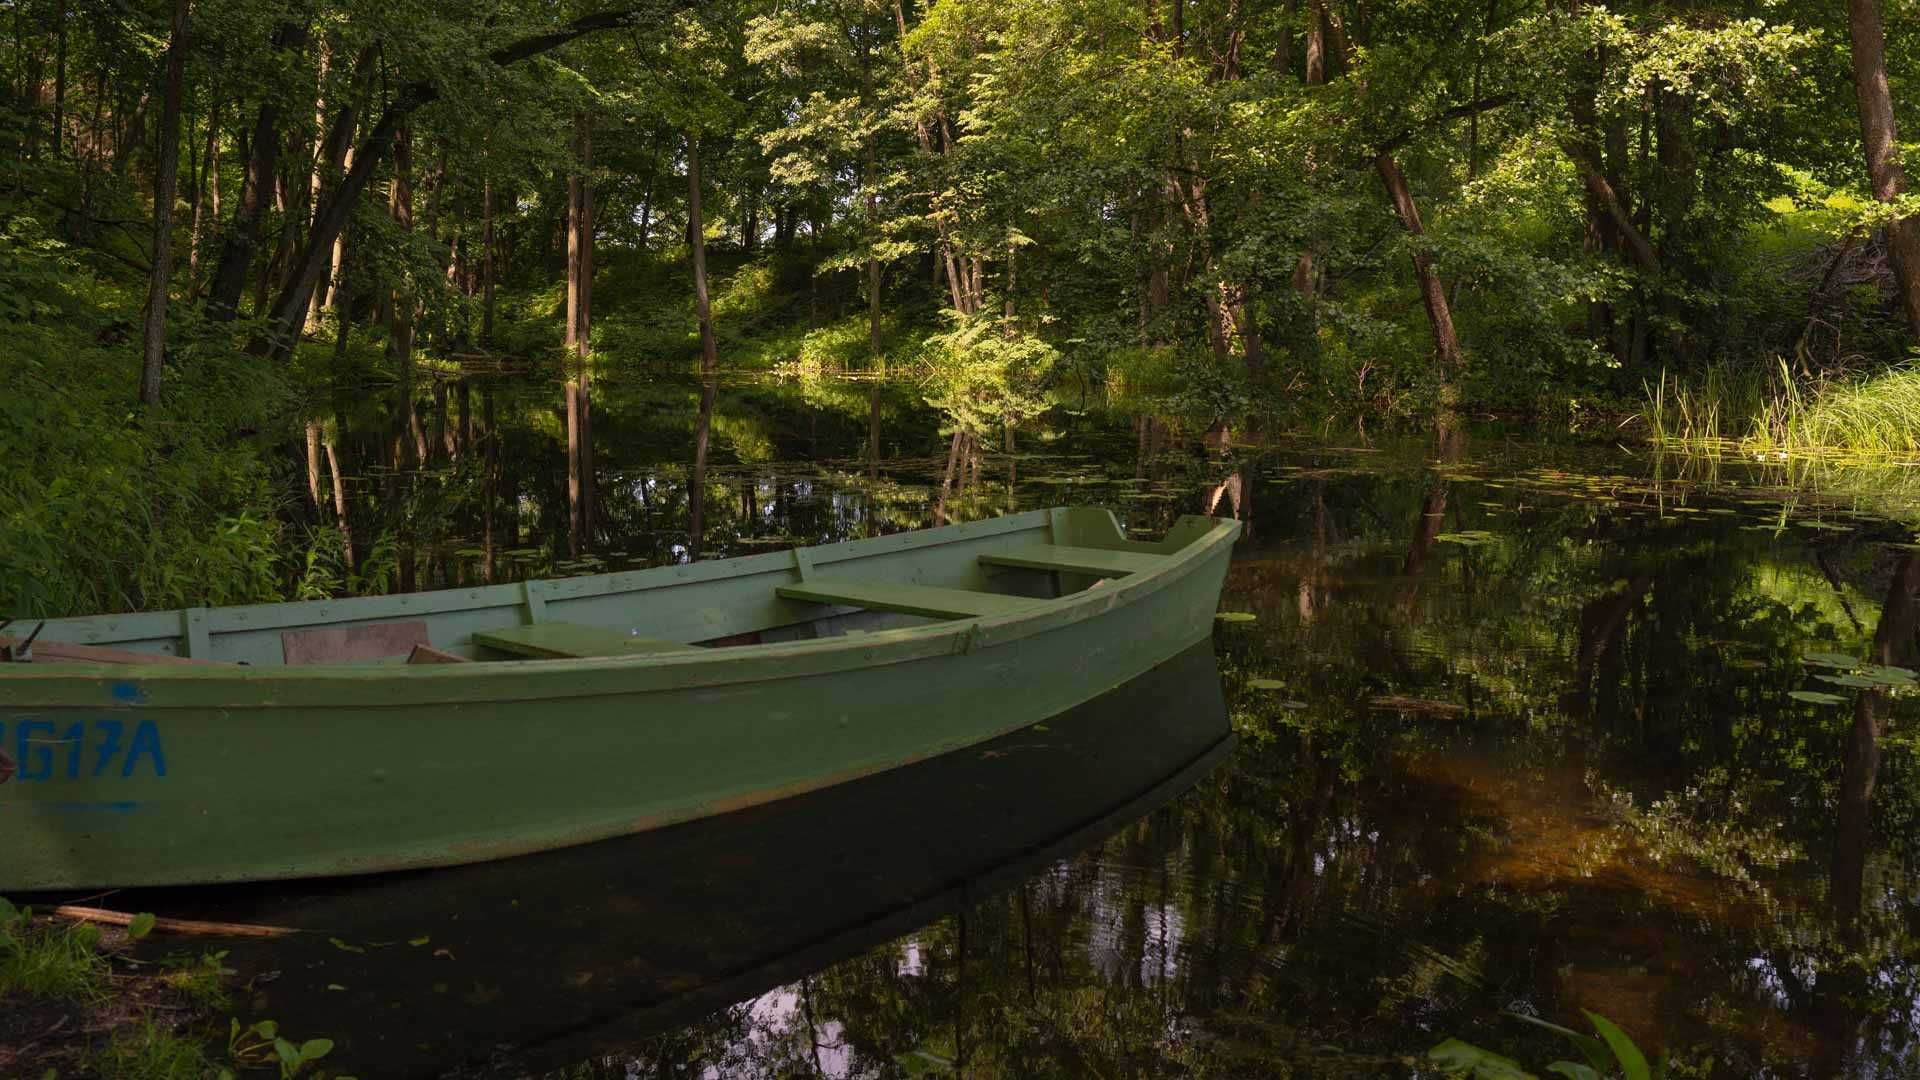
point(560, 640)
point(929, 600)
point(1098, 562)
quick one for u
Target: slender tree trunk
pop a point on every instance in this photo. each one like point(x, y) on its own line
point(1446, 344)
point(60, 80)
point(1283, 49)
point(486, 266)
point(313, 466)
point(696, 227)
point(165, 180)
point(400, 206)
point(339, 501)
point(697, 482)
point(1881, 141)
point(319, 173)
point(579, 331)
point(206, 188)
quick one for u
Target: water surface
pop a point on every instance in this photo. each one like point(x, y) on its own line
point(1515, 731)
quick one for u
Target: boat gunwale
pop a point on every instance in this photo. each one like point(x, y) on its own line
point(167, 686)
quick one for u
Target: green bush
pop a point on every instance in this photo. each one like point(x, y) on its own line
point(104, 507)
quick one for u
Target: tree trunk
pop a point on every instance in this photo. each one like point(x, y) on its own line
point(1446, 344)
point(207, 190)
point(164, 182)
point(314, 181)
point(579, 331)
point(709, 349)
point(1881, 142)
point(400, 206)
point(339, 502)
point(1892, 645)
point(486, 266)
point(243, 236)
point(697, 482)
point(313, 467)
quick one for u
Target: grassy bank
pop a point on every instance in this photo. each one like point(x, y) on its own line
point(75, 1002)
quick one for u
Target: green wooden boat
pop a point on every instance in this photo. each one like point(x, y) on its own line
point(430, 729)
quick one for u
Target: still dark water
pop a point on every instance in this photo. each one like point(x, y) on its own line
point(1495, 726)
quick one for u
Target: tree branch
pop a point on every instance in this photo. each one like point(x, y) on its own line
point(1444, 116)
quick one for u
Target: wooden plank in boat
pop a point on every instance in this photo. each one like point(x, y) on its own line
point(928, 600)
point(427, 654)
point(561, 640)
point(1078, 560)
point(330, 645)
point(59, 652)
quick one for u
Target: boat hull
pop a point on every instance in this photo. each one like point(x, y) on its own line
point(176, 783)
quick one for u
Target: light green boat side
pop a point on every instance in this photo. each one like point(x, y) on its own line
point(176, 773)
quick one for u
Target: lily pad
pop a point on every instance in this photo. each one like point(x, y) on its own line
point(1832, 660)
point(1817, 697)
point(1854, 681)
point(1468, 538)
point(1266, 684)
point(1888, 675)
point(1236, 616)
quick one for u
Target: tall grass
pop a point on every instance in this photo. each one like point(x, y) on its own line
point(1779, 413)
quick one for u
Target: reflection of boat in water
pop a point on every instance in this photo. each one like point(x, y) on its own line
point(583, 952)
point(563, 712)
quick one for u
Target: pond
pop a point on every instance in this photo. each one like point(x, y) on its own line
point(1486, 726)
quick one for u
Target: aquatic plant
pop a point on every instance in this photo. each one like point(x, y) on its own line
point(1780, 413)
point(1608, 1053)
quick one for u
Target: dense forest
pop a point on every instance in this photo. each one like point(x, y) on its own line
point(222, 223)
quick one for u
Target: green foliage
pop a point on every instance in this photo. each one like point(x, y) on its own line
point(261, 1043)
point(61, 961)
point(148, 1050)
point(1611, 1054)
point(105, 510)
point(984, 374)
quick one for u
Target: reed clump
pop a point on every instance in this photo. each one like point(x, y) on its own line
point(1782, 413)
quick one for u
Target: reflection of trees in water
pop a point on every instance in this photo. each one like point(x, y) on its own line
point(1368, 878)
point(1589, 786)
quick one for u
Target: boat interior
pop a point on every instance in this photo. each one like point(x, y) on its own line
point(997, 567)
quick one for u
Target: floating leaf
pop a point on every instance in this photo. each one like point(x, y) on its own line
point(1888, 675)
point(1854, 681)
point(1236, 616)
point(1832, 660)
point(141, 926)
point(1418, 705)
point(343, 946)
point(1467, 538)
point(1266, 684)
point(1817, 697)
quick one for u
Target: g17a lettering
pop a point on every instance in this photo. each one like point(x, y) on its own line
point(103, 749)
